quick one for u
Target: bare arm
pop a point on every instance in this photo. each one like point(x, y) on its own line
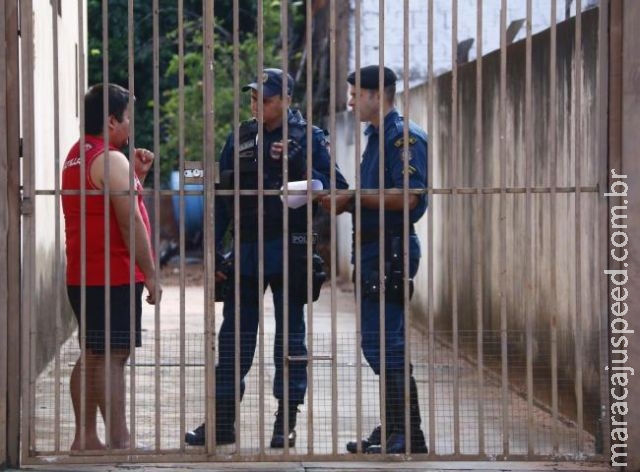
point(392, 202)
point(118, 182)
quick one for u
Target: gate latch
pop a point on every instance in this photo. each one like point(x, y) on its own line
point(26, 206)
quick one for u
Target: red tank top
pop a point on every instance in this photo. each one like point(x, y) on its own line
point(94, 223)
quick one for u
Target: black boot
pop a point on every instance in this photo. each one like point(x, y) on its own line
point(397, 441)
point(418, 443)
point(374, 439)
point(225, 429)
point(277, 440)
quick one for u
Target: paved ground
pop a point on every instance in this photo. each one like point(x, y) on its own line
point(173, 392)
point(333, 467)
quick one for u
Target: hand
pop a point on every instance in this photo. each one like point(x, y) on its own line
point(343, 203)
point(275, 152)
point(220, 276)
point(143, 160)
point(155, 291)
point(295, 157)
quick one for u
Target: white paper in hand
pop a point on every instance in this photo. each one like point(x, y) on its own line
point(297, 200)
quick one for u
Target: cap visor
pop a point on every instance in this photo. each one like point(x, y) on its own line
point(266, 90)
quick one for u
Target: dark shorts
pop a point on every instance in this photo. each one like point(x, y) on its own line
point(95, 314)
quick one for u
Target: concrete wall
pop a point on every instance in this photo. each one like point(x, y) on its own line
point(443, 20)
point(472, 234)
point(50, 268)
point(28, 111)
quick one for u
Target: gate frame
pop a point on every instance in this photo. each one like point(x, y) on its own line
point(27, 209)
point(13, 86)
point(10, 270)
point(623, 142)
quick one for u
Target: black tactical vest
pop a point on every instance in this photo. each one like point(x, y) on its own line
point(272, 168)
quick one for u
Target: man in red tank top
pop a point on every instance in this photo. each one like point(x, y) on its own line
point(91, 271)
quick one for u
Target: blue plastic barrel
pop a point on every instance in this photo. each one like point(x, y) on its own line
point(193, 207)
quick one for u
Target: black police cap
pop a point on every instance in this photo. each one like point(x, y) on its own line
point(370, 77)
point(271, 83)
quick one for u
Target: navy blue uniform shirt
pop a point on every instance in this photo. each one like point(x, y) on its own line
point(273, 206)
point(394, 168)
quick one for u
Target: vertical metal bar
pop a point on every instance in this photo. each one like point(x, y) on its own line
point(286, 276)
point(381, 239)
point(430, 289)
point(107, 223)
point(236, 216)
point(83, 226)
point(156, 202)
point(529, 275)
point(357, 237)
point(58, 277)
point(478, 207)
point(182, 228)
point(454, 213)
point(577, 81)
point(28, 338)
point(310, 310)
point(132, 239)
point(553, 201)
point(260, 67)
point(7, 244)
point(284, 16)
point(607, 14)
point(334, 308)
point(405, 226)
point(5, 240)
point(10, 81)
point(209, 157)
point(502, 218)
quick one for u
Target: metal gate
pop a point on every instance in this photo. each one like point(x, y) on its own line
point(506, 338)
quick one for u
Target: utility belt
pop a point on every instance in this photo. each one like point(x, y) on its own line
point(393, 285)
point(297, 270)
point(367, 237)
point(394, 276)
point(295, 239)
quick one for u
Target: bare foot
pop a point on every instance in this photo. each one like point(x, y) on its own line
point(120, 443)
point(91, 444)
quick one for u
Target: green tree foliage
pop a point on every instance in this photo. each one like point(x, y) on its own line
point(118, 51)
point(191, 127)
point(184, 137)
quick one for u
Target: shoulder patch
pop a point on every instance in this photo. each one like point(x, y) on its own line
point(400, 141)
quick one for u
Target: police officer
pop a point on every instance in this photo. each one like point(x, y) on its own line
point(273, 250)
point(391, 131)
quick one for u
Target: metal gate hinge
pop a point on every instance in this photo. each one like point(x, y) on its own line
point(26, 206)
